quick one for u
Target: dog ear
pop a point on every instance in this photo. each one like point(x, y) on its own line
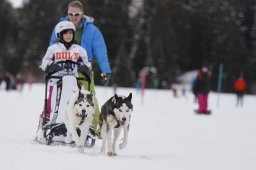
point(90, 96)
point(116, 97)
point(91, 93)
point(80, 95)
point(130, 97)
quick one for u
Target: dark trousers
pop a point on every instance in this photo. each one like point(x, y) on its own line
point(239, 99)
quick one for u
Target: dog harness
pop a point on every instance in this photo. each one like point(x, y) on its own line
point(115, 118)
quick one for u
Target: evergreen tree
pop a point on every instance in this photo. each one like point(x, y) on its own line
point(9, 58)
point(171, 36)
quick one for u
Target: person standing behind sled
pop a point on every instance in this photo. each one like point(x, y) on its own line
point(89, 37)
point(65, 31)
point(240, 86)
point(202, 87)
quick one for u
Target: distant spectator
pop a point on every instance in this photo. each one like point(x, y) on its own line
point(183, 92)
point(193, 88)
point(7, 79)
point(240, 86)
point(202, 87)
point(30, 80)
point(1, 78)
point(19, 81)
point(174, 92)
point(12, 82)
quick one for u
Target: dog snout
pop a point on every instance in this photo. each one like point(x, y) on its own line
point(83, 111)
point(123, 119)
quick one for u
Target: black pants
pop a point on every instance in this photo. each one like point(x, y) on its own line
point(239, 100)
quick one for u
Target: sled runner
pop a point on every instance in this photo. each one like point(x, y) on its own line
point(55, 129)
point(56, 133)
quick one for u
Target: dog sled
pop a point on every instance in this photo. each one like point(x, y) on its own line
point(54, 131)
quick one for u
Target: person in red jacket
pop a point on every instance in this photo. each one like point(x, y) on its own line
point(240, 86)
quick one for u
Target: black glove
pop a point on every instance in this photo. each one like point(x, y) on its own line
point(52, 68)
point(85, 71)
point(105, 77)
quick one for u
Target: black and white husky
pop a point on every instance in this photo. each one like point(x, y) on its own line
point(115, 115)
point(79, 115)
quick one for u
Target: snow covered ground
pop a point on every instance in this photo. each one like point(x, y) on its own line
point(165, 134)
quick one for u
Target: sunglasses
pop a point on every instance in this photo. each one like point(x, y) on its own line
point(74, 14)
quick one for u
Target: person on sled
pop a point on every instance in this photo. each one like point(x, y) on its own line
point(66, 49)
point(89, 36)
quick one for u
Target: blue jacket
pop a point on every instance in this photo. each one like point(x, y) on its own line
point(93, 41)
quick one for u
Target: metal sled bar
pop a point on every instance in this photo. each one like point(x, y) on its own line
point(59, 77)
point(45, 101)
point(83, 79)
point(47, 78)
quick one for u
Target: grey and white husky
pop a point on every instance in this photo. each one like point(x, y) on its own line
point(115, 115)
point(79, 115)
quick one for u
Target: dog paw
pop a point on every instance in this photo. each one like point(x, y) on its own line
point(122, 145)
point(80, 148)
point(102, 151)
point(79, 143)
point(111, 154)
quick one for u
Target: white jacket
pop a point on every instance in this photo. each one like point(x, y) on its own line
point(58, 52)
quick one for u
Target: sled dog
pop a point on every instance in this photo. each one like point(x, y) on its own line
point(78, 116)
point(115, 115)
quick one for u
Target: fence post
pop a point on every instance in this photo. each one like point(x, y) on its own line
point(219, 83)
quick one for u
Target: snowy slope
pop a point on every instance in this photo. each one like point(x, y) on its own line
point(165, 134)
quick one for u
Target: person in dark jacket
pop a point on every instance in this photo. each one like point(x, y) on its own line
point(202, 87)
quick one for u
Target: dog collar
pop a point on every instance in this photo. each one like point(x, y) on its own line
point(117, 120)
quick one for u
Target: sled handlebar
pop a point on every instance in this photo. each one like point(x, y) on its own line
point(69, 62)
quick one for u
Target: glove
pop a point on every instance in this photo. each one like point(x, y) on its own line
point(52, 68)
point(85, 71)
point(105, 77)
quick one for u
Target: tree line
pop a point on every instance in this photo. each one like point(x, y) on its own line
point(170, 36)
